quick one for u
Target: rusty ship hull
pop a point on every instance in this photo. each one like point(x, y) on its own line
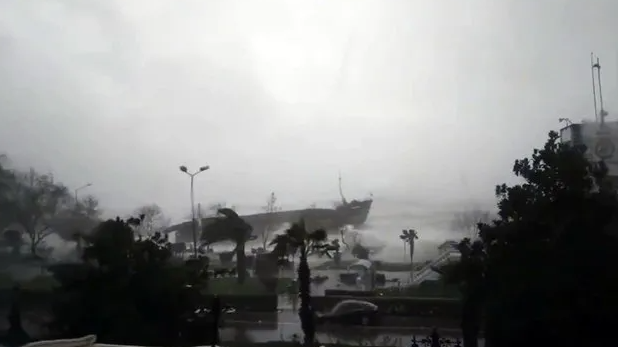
point(354, 213)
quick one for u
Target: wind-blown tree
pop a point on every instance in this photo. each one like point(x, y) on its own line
point(232, 227)
point(78, 218)
point(88, 207)
point(542, 269)
point(409, 238)
point(128, 290)
point(154, 219)
point(306, 242)
point(270, 209)
point(34, 201)
point(466, 222)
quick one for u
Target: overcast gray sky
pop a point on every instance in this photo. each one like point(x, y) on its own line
point(410, 100)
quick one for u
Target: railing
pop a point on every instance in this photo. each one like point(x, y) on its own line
point(427, 270)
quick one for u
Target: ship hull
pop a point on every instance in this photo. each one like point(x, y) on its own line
point(354, 213)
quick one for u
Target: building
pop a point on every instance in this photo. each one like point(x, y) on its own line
point(599, 139)
point(600, 136)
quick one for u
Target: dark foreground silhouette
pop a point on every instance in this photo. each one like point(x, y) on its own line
point(541, 272)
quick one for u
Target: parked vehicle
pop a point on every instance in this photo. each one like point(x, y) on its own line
point(351, 312)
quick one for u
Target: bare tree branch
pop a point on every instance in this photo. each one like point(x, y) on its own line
point(466, 222)
point(154, 219)
point(270, 208)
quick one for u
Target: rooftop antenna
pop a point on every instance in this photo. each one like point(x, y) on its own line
point(599, 110)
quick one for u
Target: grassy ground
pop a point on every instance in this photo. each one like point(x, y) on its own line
point(227, 285)
point(252, 286)
point(38, 283)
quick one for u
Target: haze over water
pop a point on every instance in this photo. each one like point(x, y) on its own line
point(425, 104)
point(389, 215)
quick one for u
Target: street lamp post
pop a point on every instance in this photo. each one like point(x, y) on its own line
point(193, 222)
point(77, 191)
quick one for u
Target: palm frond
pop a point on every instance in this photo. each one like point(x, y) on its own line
point(279, 239)
point(228, 212)
point(297, 232)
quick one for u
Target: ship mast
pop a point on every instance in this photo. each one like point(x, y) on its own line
point(341, 191)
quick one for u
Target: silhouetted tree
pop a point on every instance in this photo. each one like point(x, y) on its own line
point(305, 242)
point(154, 219)
point(236, 229)
point(542, 269)
point(88, 207)
point(34, 200)
point(467, 221)
point(128, 290)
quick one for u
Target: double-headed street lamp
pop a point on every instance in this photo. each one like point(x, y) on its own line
point(193, 222)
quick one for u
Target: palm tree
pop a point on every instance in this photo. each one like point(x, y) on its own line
point(240, 232)
point(306, 243)
point(408, 237)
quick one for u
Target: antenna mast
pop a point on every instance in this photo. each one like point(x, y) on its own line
point(594, 88)
point(343, 200)
point(599, 109)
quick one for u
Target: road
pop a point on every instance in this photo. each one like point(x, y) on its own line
point(285, 325)
point(289, 331)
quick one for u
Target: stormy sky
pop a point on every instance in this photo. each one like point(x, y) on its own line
point(414, 101)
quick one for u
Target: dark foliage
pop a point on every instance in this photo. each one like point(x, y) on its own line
point(128, 290)
point(543, 268)
point(230, 226)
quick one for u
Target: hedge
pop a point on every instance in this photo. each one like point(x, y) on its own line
point(252, 286)
point(245, 303)
point(427, 289)
point(343, 292)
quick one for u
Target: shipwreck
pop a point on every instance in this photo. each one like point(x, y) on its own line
point(354, 213)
